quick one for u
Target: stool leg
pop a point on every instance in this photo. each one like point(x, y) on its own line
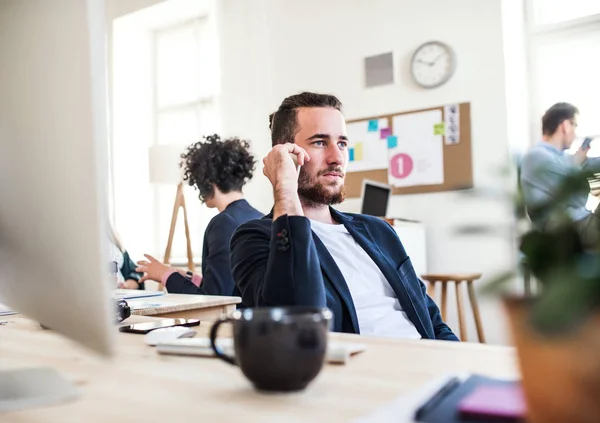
point(431, 290)
point(476, 315)
point(444, 300)
point(461, 316)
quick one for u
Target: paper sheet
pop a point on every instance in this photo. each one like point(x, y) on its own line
point(452, 123)
point(417, 156)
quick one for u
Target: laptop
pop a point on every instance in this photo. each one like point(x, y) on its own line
point(375, 198)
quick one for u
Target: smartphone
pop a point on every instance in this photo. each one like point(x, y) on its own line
point(143, 328)
point(586, 143)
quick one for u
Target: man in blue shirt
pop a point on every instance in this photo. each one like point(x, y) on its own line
point(545, 167)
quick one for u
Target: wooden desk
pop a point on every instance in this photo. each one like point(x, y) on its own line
point(139, 385)
point(203, 307)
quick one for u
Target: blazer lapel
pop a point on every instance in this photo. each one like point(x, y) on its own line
point(337, 279)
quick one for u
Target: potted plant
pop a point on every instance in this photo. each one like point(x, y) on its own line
point(556, 331)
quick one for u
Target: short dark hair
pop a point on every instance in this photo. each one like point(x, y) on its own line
point(556, 115)
point(227, 164)
point(284, 124)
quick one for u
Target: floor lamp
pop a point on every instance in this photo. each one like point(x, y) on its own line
point(164, 169)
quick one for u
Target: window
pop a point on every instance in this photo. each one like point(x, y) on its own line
point(185, 109)
point(566, 69)
point(547, 12)
point(165, 87)
point(565, 59)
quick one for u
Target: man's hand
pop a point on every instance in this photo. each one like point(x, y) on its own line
point(580, 155)
point(280, 168)
point(153, 269)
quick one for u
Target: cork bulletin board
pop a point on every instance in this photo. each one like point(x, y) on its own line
point(455, 151)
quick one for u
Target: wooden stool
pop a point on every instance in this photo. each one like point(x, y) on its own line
point(445, 279)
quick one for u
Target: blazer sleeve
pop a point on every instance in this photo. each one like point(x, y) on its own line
point(216, 278)
point(128, 270)
point(277, 265)
point(178, 284)
point(441, 330)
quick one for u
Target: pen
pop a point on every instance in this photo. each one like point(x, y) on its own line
point(437, 398)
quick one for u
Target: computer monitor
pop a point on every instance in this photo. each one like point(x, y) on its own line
point(375, 198)
point(53, 184)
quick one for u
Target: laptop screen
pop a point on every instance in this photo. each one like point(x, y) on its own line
point(375, 200)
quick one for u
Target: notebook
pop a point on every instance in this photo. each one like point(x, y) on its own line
point(503, 402)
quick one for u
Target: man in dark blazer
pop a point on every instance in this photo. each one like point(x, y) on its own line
point(307, 253)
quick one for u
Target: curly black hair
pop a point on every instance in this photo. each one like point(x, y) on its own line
point(228, 164)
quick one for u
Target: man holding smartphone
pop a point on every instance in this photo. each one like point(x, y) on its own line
point(546, 166)
point(306, 253)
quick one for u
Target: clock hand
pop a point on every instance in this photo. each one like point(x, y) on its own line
point(436, 59)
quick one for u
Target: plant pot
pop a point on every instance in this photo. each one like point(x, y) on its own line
point(561, 375)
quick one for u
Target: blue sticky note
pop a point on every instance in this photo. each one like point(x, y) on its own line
point(392, 141)
point(373, 125)
point(351, 154)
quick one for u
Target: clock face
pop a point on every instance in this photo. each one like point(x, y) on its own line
point(433, 64)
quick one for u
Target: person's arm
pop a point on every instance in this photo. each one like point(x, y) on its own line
point(132, 278)
point(541, 178)
point(277, 267)
point(280, 266)
point(177, 283)
point(155, 270)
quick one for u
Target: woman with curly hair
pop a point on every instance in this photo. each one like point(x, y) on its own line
point(218, 170)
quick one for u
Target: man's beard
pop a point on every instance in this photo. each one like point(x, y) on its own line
point(314, 195)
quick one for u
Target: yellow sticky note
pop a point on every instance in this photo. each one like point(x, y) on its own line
point(439, 129)
point(358, 151)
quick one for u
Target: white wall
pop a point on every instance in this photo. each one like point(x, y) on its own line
point(273, 48)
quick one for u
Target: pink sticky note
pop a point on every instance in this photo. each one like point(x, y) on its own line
point(384, 133)
point(494, 401)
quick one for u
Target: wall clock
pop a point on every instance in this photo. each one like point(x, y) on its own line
point(433, 64)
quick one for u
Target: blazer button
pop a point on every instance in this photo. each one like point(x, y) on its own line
point(283, 247)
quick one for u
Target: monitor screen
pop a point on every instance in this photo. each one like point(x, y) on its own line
point(375, 200)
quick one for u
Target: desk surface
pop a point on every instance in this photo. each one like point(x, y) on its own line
point(170, 303)
point(141, 385)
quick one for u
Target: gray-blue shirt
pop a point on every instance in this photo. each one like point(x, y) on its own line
point(543, 169)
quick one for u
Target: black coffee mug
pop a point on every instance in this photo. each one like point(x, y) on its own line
point(279, 348)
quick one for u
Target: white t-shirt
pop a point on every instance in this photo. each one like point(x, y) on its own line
point(378, 309)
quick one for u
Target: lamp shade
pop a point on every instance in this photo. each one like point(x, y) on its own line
point(163, 164)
